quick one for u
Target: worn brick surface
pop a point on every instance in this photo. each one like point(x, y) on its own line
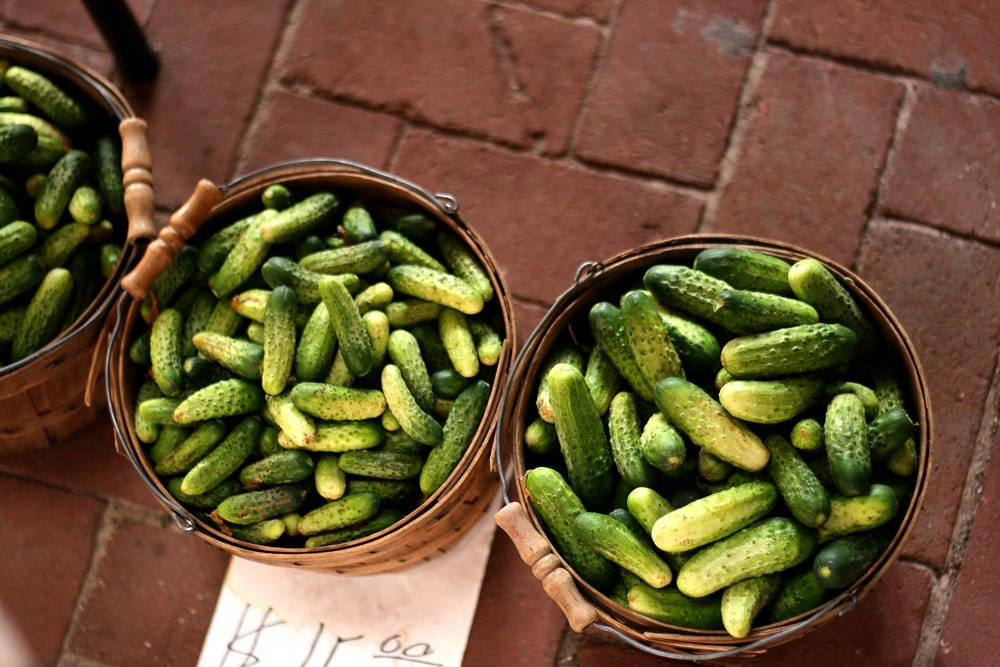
point(668, 64)
point(65, 19)
point(552, 60)
point(947, 41)
point(813, 148)
point(202, 99)
point(515, 619)
point(152, 599)
point(905, 264)
point(540, 219)
point(48, 537)
point(969, 632)
point(323, 129)
point(397, 56)
point(597, 9)
point(87, 462)
point(528, 316)
point(96, 57)
point(946, 167)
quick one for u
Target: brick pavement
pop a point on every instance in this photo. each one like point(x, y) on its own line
point(867, 131)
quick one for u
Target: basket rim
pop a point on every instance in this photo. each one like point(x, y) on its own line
point(597, 274)
point(235, 194)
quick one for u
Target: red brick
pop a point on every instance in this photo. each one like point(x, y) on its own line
point(969, 631)
point(515, 619)
point(65, 19)
point(202, 99)
point(292, 126)
point(946, 168)
point(542, 219)
point(153, 597)
point(435, 62)
point(552, 60)
point(808, 169)
point(86, 462)
point(940, 40)
point(597, 9)
point(48, 538)
point(669, 86)
point(937, 286)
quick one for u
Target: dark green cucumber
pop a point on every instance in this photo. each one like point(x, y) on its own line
point(300, 219)
point(381, 463)
point(46, 153)
point(800, 349)
point(279, 340)
point(431, 347)
point(768, 546)
point(224, 459)
point(62, 180)
point(602, 378)
point(20, 275)
point(686, 289)
point(283, 467)
point(8, 207)
point(108, 168)
point(276, 196)
point(44, 128)
point(435, 286)
point(616, 542)
point(15, 238)
point(358, 224)
point(540, 437)
point(745, 269)
point(668, 605)
point(194, 447)
point(254, 506)
point(608, 328)
point(404, 351)
point(565, 354)
point(16, 141)
point(801, 593)
point(200, 372)
point(888, 432)
point(352, 335)
point(853, 514)
point(742, 601)
point(867, 395)
point(711, 468)
point(807, 435)
point(283, 271)
point(327, 401)
point(43, 315)
point(558, 506)
point(458, 342)
point(802, 492)
point(464, 264)
point(713, 517)
point(662, 446)
point(214, 249)
point(358, 259)
point(388, 490)
point(165, 352)
point(584, 447)
point(227, 398)
point(380, 521)
point(317, 345)
point(417, 423)
point(745, 311)
point(816, 285)
point(56, 249)
point(10, 319)
point(244, 259)
point(402, 250)
point(459, 429)
point(624, 438)
point(706, 423)
point(240, 356)
point(202, 305)
point(48, 97)
point(649, 338)
point(206, 501)
point(223, 320)
point(447, 383)
point(845, 434)
point(770, 401)
point(842, 562)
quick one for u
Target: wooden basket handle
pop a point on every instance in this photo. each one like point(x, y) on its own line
point(546, 566)
point(184, 223)
point(137, 178)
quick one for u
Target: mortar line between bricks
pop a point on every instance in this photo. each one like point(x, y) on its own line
point(70, 659)
point(937, 609)
point(897, 73)
point(903, 112)
point(269, 80)
point(397, 145)
point(581, 19)
point(741, 120)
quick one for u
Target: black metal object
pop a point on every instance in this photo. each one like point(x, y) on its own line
point(135, 58)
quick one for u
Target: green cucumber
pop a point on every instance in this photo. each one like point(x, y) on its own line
point(358, 224)
point(489, 345)
point(382, 463)
point(770, 401)
point(317, 345)
point(352, 335)
point(33, 184)
point(800, 593)
point(789, 351)
point(904, 460)
point(283, 271)
point(192, 449)
point(214, 249)
point(62, 180)
point(85, 205)
point(867, 395)
point(558, 506)
point(745, 269)
point(329, 479)
point(540, 437)
point(458, 342)
point(200, 372)
point(262, 532)
point(459, 429)
point(276, 196)
point(388, 490)
point(661, 445)
point(57, 248)
point(223, 320)
point(42, 127)
point(621, 546)
point(10, 319)
point(254, 506)
point(408, 312)
point(338, 437)
point(244, 259)
point(816, 285)
point(845, 435)
point(205, 501)
point(566, 354)
point(108, 168)
point(602, 378)
point(647, 506)
point(165, 352)
point(377, 326)
point(746, 311)
point(584, 447)
point(742, 601)
point(431, 347)
point(668, 605)
point(711, 468)
point(13, 103)
point(202, 305)
point(146, 430)
point(435, 286)
point(608, 328)
point(339, 374)
point(686, 289)
point(404, 351)
point(159, 410)
point(649, 338)
point(807, 435)
point(447, 383)
point(175, 276)
point(251, 303)
point(358, 259)
point(464, 264)
point(284, 467)
point(768, 546)
point(624, 438)
point(380, 521)
point(46, 153)
point(279, 340)
point(242, 357)
point(400, 400)
point(706, 423)
point(15, 238)
point(713, 517)
point(300, 218)
point(226, 398)
point(48, 97)
point(853, 514)
point(267, 443)
point(802, 492)
point(375, 297)
point(224, 459)
point(20, 275)
point(842, 562)
point(888, 432)
point(16, 141)
point(298, 427)
point(402, 250)
point(327, 401)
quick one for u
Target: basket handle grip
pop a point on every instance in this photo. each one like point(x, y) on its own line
point(137, 178)
point(546, 566)
point(184, 223)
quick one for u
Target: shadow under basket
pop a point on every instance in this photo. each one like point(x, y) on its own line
point(583, 605)
point(443, 517)
point(46, 397)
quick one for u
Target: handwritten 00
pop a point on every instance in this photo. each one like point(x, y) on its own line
point(246, 643)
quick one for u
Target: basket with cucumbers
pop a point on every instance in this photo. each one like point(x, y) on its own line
point(724, 440)
point(319, 368)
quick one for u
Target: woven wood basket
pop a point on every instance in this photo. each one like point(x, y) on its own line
point(432, 527)
point(46, 397)
point(583, 605)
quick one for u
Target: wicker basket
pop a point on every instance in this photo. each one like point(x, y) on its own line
point(583, 605)
point(45, 397)
point(440, 519)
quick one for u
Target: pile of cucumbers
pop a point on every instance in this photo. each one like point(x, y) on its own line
point(729, 445)
point(61, 200)
point(316, 368)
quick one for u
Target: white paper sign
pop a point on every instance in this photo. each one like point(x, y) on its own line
point(277, 616)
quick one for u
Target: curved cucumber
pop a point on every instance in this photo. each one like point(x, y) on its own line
point(816, 285)
point(713, 517)
point(317, 345)
point(435, 286)
point(46, 95)
point(226, 398)
point(567, 354)
point(742, 601)
point(254, 506)
point(327, 401)
point(669, 605)
point(223, 460)
point(802, 492)
point(402, 250)
point(746, 311)
point(842, 562)
point(358, 258)
point(649, 338)
point(608, 328)
point(55, 194)
point(770, 401)
point(853, 514)
point(240, 356)
point(458, 342)
point(464, 264)
point(459, 429)
point(352, 335)
point(621, 546)
point(299, 219)
point(418, 424)
point(745, 269)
